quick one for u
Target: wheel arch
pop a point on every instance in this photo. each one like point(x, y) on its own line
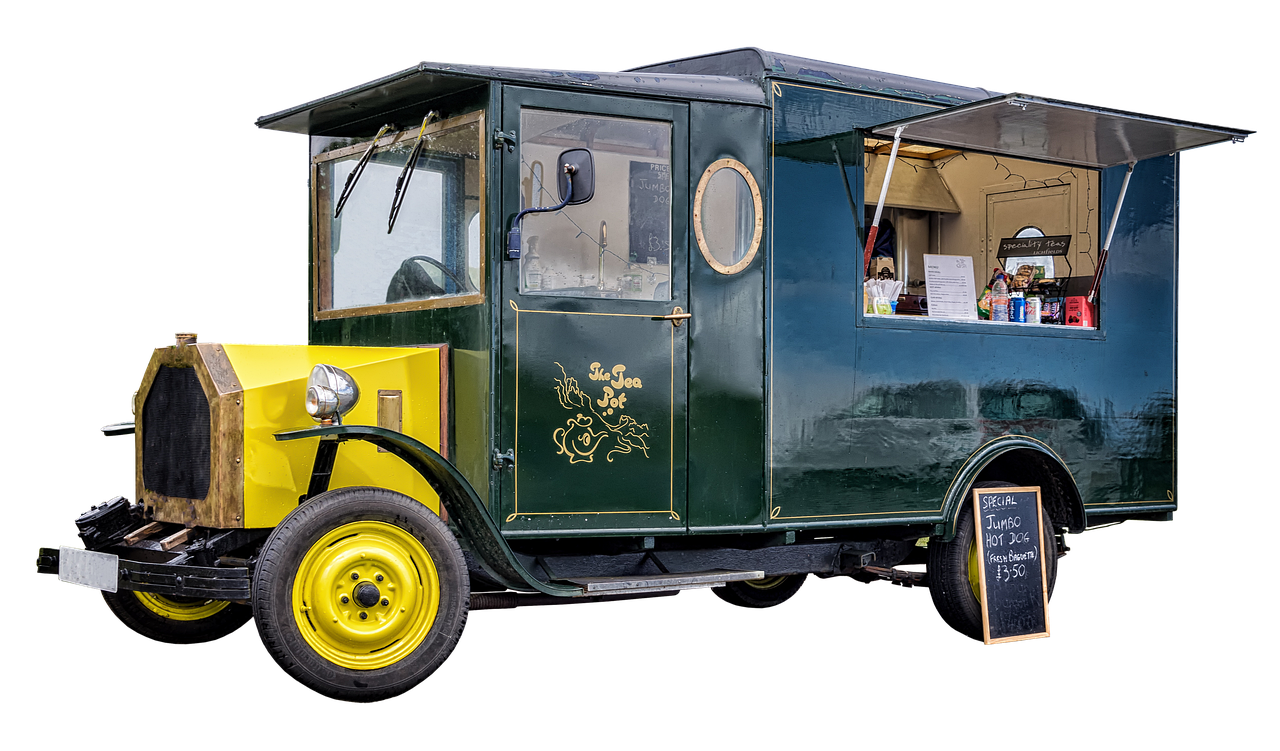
point(465, 508)
point(1024, 461)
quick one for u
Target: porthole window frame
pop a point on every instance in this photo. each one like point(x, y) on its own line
point(756, 236)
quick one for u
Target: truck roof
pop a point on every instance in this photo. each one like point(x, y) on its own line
point(733, 76)
point(755, 64)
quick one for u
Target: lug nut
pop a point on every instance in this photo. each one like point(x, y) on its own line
point(354, 576)
point(363, 615)
point(345, 599)
point(378, 577)
point(385, 602)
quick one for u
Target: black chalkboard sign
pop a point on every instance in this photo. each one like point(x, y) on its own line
point(1015, 596)
point(1050, 245)
point(650, 230)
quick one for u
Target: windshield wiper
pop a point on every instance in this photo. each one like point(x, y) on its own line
point(354, 177)
point(406, 174)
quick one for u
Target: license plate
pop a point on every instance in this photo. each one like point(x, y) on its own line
point(88, 569)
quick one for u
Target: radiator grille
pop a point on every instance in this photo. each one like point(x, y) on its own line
point(175, 435)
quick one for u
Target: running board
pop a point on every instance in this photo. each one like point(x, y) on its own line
point(596, 585)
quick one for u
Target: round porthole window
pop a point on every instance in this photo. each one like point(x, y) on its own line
point(728, 216)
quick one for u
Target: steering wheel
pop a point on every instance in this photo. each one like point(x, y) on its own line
point(463, 285)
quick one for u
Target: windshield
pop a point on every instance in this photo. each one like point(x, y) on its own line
point(431, 257)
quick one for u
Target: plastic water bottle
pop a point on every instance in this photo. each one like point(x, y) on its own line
point(532, 266)
point(1000, 300)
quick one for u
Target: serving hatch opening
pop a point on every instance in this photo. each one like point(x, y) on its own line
point(1053, 131)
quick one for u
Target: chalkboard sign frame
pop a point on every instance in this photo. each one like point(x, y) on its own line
point(982, 580)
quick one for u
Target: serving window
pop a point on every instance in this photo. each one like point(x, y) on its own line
point(400, 227)
point(953, 220)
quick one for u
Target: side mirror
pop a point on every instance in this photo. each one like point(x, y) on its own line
point(579, 166)
point(576, 178)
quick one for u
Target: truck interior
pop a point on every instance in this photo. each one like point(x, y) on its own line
point(945, 201)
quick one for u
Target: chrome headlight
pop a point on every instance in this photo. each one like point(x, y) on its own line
point(331, 393)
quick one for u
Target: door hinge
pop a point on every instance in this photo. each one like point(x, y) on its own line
point(502, 461)
point(500, 139)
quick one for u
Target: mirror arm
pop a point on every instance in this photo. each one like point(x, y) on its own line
point(513, 237)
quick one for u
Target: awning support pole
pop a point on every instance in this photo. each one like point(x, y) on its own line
point(884, 192)
point(1111, 231)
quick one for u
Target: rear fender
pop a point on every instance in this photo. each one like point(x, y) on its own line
point(1023, 461)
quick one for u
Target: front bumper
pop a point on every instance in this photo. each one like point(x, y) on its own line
point(181, 580)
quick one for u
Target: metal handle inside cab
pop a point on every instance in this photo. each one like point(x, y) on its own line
point(677, 316)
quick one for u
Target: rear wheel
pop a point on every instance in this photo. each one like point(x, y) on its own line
point(176, 620)
point(361, 593)
point(954, 570)
point(760, 593)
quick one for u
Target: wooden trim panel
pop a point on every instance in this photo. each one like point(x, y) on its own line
point(223, 506)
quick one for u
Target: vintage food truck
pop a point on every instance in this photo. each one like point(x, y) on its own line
point(587, 336)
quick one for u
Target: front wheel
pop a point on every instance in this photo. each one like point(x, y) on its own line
point(176, 620)
point(361, 593)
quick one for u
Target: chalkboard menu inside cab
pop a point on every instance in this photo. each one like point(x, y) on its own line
point(650, 233)
point(1014, 586)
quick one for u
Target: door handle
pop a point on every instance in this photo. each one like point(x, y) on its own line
point(677, 317)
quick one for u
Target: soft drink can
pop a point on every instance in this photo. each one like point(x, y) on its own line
point(1018, 310)
point(1033, 310)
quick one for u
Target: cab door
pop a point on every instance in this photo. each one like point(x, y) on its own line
point(593, 353)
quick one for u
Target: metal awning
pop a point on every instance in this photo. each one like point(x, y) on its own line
point(1049, 130)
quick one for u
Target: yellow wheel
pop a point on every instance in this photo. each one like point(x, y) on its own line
point(975, 571)
point(180, 608)
point(361, 593)
point(176, 620)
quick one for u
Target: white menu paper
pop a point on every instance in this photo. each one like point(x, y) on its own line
point(948, 284)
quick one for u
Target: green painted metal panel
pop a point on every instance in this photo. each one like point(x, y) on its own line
point(585, 457)
point(872, 420)
point(726, 341)
point(779, 397)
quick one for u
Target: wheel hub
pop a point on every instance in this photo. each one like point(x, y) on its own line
point(367, 594)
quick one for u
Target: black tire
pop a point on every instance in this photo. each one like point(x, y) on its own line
point(176, 620)
point(315, 538)
point(949, 583)
point(761, 593)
